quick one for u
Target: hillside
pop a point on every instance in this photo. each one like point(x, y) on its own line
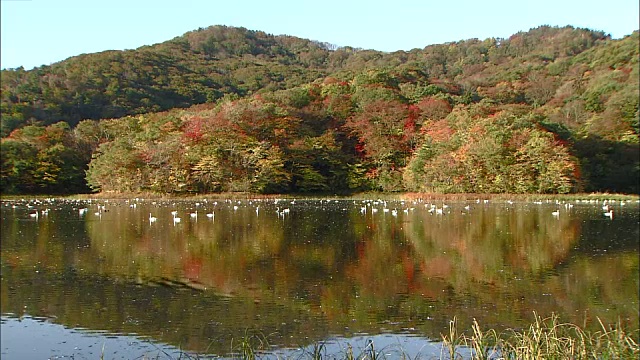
point(205, 65)
point(200, 66)
point(545, 111)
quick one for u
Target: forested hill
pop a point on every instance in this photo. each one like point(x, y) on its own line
point(207, 64)
point(549, 110)
point(198, 67)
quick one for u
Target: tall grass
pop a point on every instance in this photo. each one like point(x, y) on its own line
point(548, 338)
point(251, 346)
point(544, 338)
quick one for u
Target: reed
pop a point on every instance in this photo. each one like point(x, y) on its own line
point(452, 341)
point(483, 344)
point(368, 352)
point(544, 338)
point(548, 338)
point(319, 350)
point(250, 347)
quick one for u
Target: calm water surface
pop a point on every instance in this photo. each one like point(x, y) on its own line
point(110, 280)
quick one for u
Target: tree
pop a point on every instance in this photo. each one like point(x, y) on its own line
point(270, 173)
point(115, 167)
point(209, 174)
point(544, 166)
point(18, 165)
point(380, 128)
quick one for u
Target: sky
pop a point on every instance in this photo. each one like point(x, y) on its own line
point(42, 32)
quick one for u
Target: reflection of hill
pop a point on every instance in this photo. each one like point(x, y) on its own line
point(596, 284)
point(513, 261)
point(215, 253)
point(487, 240)
point(301, 278)
point(185, 318)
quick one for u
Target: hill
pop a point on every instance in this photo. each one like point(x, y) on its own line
point(198, 67)
point(548, 110)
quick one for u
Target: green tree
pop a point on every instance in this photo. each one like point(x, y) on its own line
point(115, 167)
point(542, 166)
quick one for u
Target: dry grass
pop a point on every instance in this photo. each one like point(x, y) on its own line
point(545, 338)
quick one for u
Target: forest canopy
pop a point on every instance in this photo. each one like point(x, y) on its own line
point(550, 110)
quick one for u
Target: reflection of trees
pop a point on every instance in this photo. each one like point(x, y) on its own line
point(49, 244)
point(597, 284)
point(482, 244)
point(304, 277)
point(494, 263)
point(186, 318)
point(213, 253)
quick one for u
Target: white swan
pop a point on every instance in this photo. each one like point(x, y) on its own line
point(176, 219)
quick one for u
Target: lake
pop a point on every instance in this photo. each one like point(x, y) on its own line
point(127, 279)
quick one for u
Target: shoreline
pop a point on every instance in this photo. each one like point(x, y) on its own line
point(358, 196)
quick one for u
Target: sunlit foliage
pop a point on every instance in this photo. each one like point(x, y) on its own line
point(551, 110)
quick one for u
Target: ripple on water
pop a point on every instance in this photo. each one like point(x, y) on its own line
point(31, 338)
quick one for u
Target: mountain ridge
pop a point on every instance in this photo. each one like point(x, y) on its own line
point(210, 59)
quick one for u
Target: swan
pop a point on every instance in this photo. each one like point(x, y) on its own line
point(176, 219)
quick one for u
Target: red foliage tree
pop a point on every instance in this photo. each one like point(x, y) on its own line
point(432, 108)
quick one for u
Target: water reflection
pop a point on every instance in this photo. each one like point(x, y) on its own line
point(323, 268)
point(40, 339)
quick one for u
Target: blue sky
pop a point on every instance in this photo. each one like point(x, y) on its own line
point(41, 32)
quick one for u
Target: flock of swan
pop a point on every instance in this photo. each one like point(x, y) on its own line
point(40, 207)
